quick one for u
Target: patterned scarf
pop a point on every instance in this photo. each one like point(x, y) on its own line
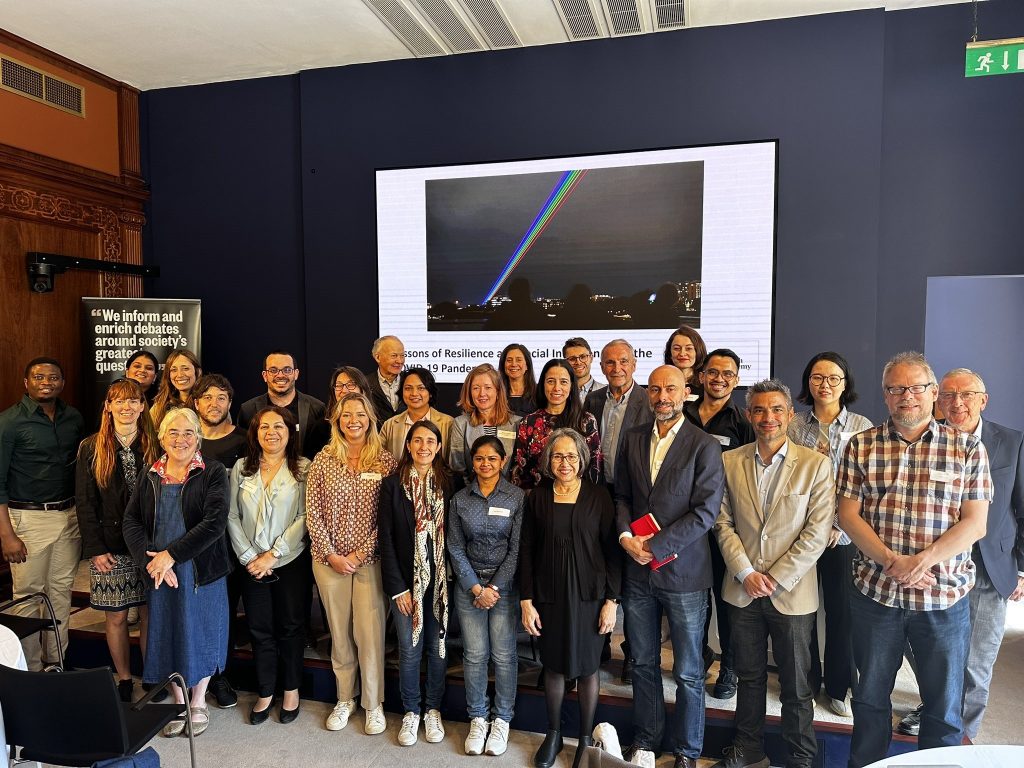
point(428, 503)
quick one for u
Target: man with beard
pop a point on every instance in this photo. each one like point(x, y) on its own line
point(280, 373)
point(39, 439)
point(716, 414)
point(222, 440)
point(914, 497)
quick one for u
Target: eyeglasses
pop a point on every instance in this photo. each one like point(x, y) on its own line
point(579, 358)
point(967, 397)
point(175, 434)
point(818, 379)
point(347, 387)
point(915, 389)
point(287, 371)
point(714, 373)
point(565, 458)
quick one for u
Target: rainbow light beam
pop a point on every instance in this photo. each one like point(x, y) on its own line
point(563, 189)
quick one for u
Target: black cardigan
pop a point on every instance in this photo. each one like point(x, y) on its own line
point(396, 523)
point(101, 510)
point(204, 504)
point(594, 544)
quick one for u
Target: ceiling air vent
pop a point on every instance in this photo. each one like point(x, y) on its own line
point(450, 26)
point(493, 23)
point(39, 86)
point(623, 17)
point(406, 27)
point(668, 14)
point(578, 18)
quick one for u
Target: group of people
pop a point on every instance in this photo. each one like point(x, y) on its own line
point(544, 506)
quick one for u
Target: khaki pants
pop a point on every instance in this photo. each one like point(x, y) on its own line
point(54, 550)
point(355, 613)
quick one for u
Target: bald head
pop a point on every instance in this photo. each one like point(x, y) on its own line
point(667, 391)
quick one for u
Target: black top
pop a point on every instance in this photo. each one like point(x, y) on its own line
point(309, 412)
point(381, 400)
point(37, 455)
point(727, 423)
point(101, 510)
point(228, 449)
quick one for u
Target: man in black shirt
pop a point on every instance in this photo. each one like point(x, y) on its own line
point(223, 441)
point(39, 439)
point(716, 414)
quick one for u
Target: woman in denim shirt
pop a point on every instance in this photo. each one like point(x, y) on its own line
point(483, 545)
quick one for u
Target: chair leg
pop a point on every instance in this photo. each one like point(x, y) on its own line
point(177, 678)
point(53, 618)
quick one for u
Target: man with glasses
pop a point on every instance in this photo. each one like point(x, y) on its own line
point(670, 470)
point(999, 555)
point(914, 497)
point(39, 439)
point(578, 354)
point(717, 415)
point(389, 354)
point(280, 373)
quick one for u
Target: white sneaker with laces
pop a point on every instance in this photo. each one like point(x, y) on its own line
point(643, 757)
point(433, 727)
point(339, 716)
point(410, 725)
point(477, 736)
point(375, 721)
point(497, 742)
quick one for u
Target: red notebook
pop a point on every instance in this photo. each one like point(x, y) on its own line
point(648, 526)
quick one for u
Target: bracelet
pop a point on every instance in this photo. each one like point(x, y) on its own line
point(494, 589)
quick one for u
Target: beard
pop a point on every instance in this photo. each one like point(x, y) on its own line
point(216, 423)
point(908, 421)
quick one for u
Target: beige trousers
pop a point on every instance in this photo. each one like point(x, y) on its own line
point(54, 550)
point(355, 613)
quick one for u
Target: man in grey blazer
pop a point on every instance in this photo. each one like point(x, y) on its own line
point(671, 470)
point(773, 526)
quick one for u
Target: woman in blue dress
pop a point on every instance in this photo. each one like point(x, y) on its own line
point(175, 524)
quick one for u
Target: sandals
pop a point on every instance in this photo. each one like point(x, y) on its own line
point(174, 728)
point(200, 720)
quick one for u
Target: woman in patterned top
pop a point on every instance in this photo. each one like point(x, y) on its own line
point(108, 468)
point(560, 407)
point(342, 491)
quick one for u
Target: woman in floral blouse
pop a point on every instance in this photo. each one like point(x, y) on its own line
point(342, 491)
point(560, 406)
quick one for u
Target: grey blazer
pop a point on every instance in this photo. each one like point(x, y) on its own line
point(638, 411)
point(1002, 547)
point(464, 434)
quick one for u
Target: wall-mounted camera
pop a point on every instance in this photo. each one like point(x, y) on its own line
point(42, 267)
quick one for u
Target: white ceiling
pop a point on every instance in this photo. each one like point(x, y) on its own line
point(161, 43)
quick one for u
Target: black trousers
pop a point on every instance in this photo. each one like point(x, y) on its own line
point(718, 572)
point(835, 573)
point(275, 613)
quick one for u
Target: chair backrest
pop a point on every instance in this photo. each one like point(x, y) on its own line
point(63, 712)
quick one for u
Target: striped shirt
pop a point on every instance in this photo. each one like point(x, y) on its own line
point(910, 494)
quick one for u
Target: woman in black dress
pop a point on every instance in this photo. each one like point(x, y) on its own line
point(569, 582)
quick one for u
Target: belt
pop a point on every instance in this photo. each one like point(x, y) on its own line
point(46, 506)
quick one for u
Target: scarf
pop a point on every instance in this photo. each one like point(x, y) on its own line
point(428, 504)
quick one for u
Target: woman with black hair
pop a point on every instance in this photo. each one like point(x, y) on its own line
point(419, 393)
point(558, 406)
point(516, 368)
point(142, 367)
point(686, 350)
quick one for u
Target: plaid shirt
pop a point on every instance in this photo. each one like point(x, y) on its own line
point(910, 495)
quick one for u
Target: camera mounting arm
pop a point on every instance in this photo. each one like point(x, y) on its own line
point(41, 268)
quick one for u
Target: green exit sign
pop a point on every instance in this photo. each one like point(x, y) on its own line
point(994, 57)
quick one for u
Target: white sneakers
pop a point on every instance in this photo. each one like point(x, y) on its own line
point(375, 722)
point(339, 716)
point(643, 757)
point(433, 727)
point(477, 736)
point(410, 725)
point(497, 741)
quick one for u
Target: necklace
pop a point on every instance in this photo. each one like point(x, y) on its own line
point(571, 490)
point(126, 440)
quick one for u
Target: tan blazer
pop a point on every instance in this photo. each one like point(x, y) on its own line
point(394, 430)
point(786, 541)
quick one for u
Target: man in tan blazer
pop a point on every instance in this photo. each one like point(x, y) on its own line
point(776, 514)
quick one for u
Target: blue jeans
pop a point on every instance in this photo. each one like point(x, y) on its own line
point(685, 612)
point(489, 635)
point(939, 640)
point(410, 656)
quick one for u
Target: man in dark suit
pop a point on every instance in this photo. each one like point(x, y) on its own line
point(389, 354)
point(999, 555)
point(280, 373)
point(673, 471)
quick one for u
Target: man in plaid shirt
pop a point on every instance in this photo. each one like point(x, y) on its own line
point(913, 496)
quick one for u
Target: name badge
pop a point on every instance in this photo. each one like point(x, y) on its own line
point(941, 476)
point(499, 511)
point(369, 476)
point(845, 436)
point(506, 434)
point(723, 439)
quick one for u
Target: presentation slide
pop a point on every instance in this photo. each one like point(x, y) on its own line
point(630, 245)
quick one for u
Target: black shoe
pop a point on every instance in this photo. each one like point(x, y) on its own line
point(256, 717)
point(289, 715)
point(911, 722)
point(222, 692)
point(682, 761)
point(627, 671)
point(581, 750)
point(161, 696)
point(549, 750)
point(725, 686)
point(734, 758)
point(125, 689)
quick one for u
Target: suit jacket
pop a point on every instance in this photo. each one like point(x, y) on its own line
point(381, 401)
point(311, 413)
point(393, 432)
point(784, 541)
point(638, 407)
point(685, 500)
point(1002, 547)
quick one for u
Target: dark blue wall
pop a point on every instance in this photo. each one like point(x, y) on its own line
point(884, 151)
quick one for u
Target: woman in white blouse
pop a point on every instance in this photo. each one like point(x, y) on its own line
point(267, 527)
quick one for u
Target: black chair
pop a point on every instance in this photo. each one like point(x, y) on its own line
point(76, 718)
point(26, 626)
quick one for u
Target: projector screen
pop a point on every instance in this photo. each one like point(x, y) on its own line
point(631, 245)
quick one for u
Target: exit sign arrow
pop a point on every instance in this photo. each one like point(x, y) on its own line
point(994, 57)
